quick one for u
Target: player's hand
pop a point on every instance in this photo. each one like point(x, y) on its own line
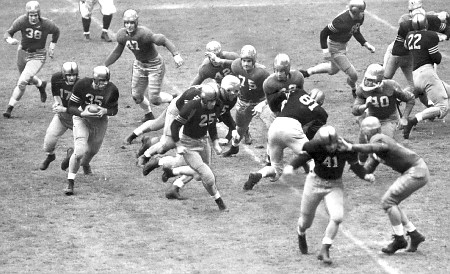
point(442, 37)
point(257, 110)
point(51, 49)
point(344, 145)
point(178, 60)
point(12, 41)
point(57, 108)
point(369, 47)
point(288, 170)
point(326, 54)
point(369, 101)
point(402, 123)
point(217, 147)
point(181, 149)
point(369, 177)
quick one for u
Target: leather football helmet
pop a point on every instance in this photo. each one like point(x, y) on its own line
point(357, 8)
point(130, 16)
point(101, 77)
point(33, 8)
point(318, 96)
point(414, 4)
point(282, 62)
point(70, 72)
point(370, 126)
point(419, 21)
point(328, 137)
point(209, 94)
point(230, 87)
point(214, 47)
point(248, 52)
point(373, 77)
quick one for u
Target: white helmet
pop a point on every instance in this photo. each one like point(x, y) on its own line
point(214, 47)
point(248, 52)
point(357, 8)
point(373, 77)
point(33, 7)
point(318, 96)
point(101, 77)
point(130, 16)
point(414, 4)
point(231, 85)
point(370, 126)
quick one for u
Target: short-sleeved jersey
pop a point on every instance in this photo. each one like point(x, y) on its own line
point(434, 24)
point(207, 70)
point(393, 154)
point(83, 94)
point(424, 48)
point(343, 27)
point(34, 36)
point(198, 120)
point(384, 100)
point(61, 88)
point(251, 81)
point(141, 42)
point(302, 107)
point(272, 86)
point(329, 165)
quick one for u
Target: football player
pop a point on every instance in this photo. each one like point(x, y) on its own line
point(297, 113)
point(89, 128)
point(198, 118)
point(414, 175)
point(380, 98)
point(107, 8)
point(423, 45)
point(216, 65)
point(251, 100)
point(333, 40)
point(62, 85)
point(397, 56)
point(148, 67)
point(32, 53)
point(324, 182)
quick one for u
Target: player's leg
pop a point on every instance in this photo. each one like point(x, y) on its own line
point(95, 141)
point(80, 135)
point(86, 8)
point(341, 60)
point(147, 126)
point(243, 118)
point(156, 77)
point(54, 131)
point(107, 9)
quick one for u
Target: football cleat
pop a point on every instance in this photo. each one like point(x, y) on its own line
point(399, 242)
point(129, 139)
point(248, 138)
point(42, 91)
point(407, 129)
point(105, 37)
point(167, 173)
point(302, 245)
point(221, 204)
point(69, 190)
point(304, 72)
point(50, 158)
point(87, 36)
point(148, 116)
point(150, 165)
point(253, 179)
point(416, 239)
point(324, 254)
point(7, 113)
point(173, 193)
point(231, 151)
point(145, 145)
point(65, 162)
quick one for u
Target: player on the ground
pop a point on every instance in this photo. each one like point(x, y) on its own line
point(333, 41)
point(62, 82)
point(148, 67)
point(414, 175)
point(107, 8)
point(423, 45)
point(251, 100)
point(97, 97)
point(31, 54)
point(324, 182)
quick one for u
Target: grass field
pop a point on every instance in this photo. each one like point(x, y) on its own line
point(119, 221)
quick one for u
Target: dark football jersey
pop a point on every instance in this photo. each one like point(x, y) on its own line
point(83, 94)
point(329, 165)
point(198, 120)
point(434, 24)
point(251, 82)
point(423, 46)
point(142, 43)
point(302, 107)
point(61, 88)
point(343, 27)
point(34, 36)
point(272, 87)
